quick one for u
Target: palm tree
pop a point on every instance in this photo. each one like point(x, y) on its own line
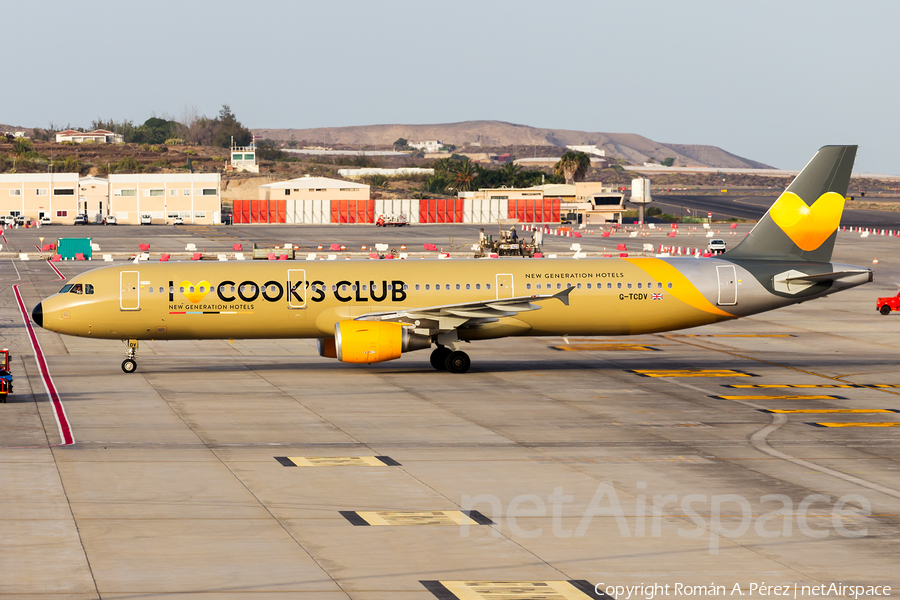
point(512, 174)
point(464, 175)
point(573, 166)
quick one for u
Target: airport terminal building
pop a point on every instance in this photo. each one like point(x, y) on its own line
point(195, 197)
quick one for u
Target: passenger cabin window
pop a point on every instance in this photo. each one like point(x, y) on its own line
point(477, 286)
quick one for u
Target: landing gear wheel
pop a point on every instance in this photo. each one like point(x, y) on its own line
point(439, 358)
point(458, 362)
point(129, 366)
point(885, 309)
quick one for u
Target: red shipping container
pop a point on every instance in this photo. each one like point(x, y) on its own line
point(460, 208)
point(335, 211)
point(432, 211)
point(282, 211)
point(236, 211)
point(351, 211)
point(246, 209)
point(254, 211)
point(423, 211)
point(554, 217)
point(370, 211)
point(342, 211)
point(441, 211)
point(529, 210)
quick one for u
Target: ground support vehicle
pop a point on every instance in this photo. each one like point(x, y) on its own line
point(507, 244)
point(886, 305)
point(391, 221)
point(6, 379)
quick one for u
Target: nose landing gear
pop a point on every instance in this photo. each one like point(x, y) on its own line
point(129, 365)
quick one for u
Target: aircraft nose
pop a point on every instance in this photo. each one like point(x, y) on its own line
point(37, 315)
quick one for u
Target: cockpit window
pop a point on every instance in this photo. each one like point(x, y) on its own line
point(77, 288)
point(65, 289)
point(88, 288)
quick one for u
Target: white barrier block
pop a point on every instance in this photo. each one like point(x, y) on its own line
point(332, 257)
point(222, 256)
point(95, 247)
point(864, 234)
point(107, 258)
point(404, 255)
point(23, 256)
point(191, 248)
point(238, 256)
point(311, 256)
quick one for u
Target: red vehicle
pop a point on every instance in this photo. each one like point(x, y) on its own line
point(886, 305)
point(6, 386)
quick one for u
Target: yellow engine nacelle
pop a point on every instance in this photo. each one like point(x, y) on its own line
point(372, 341)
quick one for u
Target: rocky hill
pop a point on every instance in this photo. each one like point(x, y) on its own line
point(629, 146)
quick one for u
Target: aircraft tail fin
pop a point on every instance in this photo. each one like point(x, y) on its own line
point(803, 222)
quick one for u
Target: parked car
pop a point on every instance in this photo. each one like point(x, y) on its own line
point(717, 246)
point(146, 220)
point(177, 221)
point(7, 219)
point(110, 220)
point(81, 220)
point(45, 220)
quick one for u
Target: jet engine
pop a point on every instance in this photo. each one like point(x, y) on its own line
point(371, 341)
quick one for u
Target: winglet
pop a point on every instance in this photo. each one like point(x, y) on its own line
point(563, 296)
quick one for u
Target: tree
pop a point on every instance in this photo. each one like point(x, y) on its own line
point(668, 162)
point(573, 166)
point(464, 175)
point(22, 145)
point(378, 180)
point(401, 143)
point(228, 127)
point(512, 174)
point(267, 150)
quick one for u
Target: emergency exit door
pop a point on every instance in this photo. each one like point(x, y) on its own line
point(504, 285)
point(727, 285)
point(297, 291)
point(129, 290)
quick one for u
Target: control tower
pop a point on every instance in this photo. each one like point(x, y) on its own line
point(243, 158)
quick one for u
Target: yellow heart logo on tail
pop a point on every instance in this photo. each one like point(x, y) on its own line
point(195, 293)
point(808, 226)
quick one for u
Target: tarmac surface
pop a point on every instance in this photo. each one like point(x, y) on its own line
point(256, 469)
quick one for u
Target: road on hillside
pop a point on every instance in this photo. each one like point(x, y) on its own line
point(754, 207)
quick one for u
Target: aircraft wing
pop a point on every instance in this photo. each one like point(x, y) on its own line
point(433, 320)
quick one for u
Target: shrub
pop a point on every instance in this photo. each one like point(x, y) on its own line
point(190, 152)
point(157, 149)
point(174, 142)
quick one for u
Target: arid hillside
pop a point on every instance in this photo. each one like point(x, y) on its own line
point(629, 146)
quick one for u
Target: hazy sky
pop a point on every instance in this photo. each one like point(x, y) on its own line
point(767, 80)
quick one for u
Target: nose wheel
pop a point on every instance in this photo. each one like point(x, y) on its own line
point(129, 365)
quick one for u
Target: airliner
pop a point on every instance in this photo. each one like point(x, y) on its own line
point(372, 311)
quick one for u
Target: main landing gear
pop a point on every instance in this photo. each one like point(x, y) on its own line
point(129, 365)
point(454, 361)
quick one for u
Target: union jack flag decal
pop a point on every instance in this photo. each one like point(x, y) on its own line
point(656, 296)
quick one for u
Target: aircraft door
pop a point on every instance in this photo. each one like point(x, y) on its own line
point(129, 290)
point(727, 285)
point(297, 291)
point(504, 285)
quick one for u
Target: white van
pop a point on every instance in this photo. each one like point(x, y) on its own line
point(7, 219)
point(146, 220)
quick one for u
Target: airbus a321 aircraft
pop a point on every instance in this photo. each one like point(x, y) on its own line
point(373, 311)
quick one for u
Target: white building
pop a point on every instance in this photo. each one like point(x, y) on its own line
point(587, 150)
point(195, 197)
point(100, 136)
point(243, 158)
point(367, 171)
point(427, 145)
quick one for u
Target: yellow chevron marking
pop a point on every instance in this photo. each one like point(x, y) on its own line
point(690, 373)
point(682, 288)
